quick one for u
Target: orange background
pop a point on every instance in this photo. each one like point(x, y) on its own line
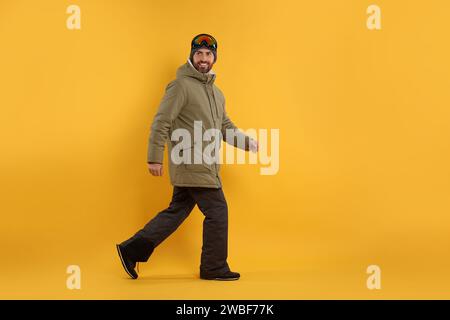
point(364, 147)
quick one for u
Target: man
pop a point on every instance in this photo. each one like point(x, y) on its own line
point(191, 101)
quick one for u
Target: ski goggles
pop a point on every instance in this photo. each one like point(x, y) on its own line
point(204, 40)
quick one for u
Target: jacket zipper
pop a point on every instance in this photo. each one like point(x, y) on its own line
point(214, 121)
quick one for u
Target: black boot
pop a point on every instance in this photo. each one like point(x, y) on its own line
point(132, 251)
point(127, 263)
point(227, 276)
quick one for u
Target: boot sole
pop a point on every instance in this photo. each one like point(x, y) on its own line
point(123, 263)
point(221, 279)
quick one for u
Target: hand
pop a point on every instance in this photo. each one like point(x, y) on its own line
point(253, 146)
point(155, 169)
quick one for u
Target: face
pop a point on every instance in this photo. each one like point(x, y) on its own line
point(203, 60)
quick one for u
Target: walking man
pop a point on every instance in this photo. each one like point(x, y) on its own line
point(192, 103)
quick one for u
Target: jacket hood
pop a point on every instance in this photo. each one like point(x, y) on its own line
point(188, 70)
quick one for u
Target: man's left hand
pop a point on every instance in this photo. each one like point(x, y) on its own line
point(253, 146)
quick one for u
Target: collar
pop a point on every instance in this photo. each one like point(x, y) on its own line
point(188, 70)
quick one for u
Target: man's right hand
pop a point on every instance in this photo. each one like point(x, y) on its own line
point(155, 169)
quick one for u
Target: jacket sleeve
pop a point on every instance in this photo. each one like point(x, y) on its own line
point(238, 139)
point(169, 108)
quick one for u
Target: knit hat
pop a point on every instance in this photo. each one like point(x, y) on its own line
point(203, 40)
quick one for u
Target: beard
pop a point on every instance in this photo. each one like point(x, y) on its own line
point(203, 69)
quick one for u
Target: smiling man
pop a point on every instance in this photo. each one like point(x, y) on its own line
point(190, 99)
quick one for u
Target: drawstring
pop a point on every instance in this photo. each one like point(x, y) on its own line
point(137, 263)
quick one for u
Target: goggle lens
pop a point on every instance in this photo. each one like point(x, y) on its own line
point(204, 40)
